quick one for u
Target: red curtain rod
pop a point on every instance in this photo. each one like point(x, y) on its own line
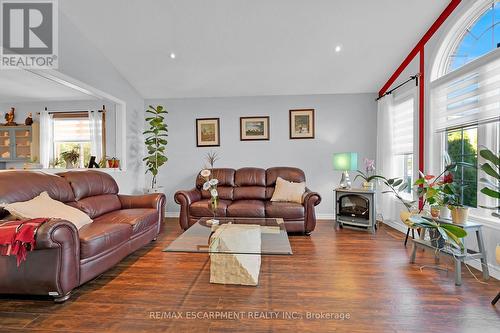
point(434, 27)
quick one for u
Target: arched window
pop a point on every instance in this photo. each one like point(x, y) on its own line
point(465, 100)
point(480, 38)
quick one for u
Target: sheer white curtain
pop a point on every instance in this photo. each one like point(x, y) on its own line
point(46, 138)
point(386, 205)
point(95, 123)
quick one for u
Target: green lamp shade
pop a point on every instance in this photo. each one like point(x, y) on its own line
point(345, 161)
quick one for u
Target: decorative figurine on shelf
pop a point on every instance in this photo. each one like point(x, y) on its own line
point(29, 120)
point(9, 117)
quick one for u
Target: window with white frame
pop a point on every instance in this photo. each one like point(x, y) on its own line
point(403, 111)
point(72, 133)
point(465, 105)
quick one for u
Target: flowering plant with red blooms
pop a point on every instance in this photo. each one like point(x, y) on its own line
point(437, 191)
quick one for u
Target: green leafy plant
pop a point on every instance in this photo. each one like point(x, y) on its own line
point(451, 234)
point(156, 142)
point(492, 169)
point(437, 190)
point(71, 156)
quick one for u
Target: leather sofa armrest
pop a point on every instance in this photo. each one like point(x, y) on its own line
point(56, 233)
point(310, 200)
point(155, 200)
point(185, 199)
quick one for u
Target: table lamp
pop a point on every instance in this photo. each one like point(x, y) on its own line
point(345, 162)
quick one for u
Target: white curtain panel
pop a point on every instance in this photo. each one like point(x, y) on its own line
point(386, 204)
point(95, 123)
point(46, 138)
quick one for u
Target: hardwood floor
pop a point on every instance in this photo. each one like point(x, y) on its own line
point(365, 277)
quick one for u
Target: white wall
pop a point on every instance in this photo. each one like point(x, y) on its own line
point(343, 123)
point(81, 60)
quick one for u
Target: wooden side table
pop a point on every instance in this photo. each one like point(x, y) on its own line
point(458, 256)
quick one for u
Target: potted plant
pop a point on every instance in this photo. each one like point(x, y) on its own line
point(434, 189)
point(368, 175)
point(440, 233)
point(156, 144)
point(71, 158)
point(492, 169)
point(113, 162)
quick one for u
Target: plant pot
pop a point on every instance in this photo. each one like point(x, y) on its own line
point(114, 163)
point(444, 213)
point(158, 189)
point(435, 212)
point(459, 215)
point(69, 164)
point(436, 239)
point(368, 186)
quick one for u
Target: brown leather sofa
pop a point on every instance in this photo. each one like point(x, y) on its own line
point(64, 257)
point(247, 192)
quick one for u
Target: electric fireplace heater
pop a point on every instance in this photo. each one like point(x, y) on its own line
point(355, 207)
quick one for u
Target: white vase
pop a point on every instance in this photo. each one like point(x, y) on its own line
point(444, 213)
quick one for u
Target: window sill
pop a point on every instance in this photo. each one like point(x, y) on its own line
point(490, 222)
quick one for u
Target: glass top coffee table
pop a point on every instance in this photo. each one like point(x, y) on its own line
point(273, 236)
point(235, 246)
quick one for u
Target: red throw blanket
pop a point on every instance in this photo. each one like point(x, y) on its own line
point(18, 237)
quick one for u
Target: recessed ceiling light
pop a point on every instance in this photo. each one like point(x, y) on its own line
point(338, 48)
point(172, 55)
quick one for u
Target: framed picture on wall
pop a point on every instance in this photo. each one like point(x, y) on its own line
point(302, 124)
point(207, 132)
point(254, 128)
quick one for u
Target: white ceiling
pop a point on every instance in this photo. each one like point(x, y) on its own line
point(24, 86)
point(254, 47)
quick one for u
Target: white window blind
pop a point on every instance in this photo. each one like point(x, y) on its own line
point(469, 95)
point(72, 130)
point(402, 131)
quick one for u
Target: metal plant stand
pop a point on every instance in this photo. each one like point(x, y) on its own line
point(458, 256)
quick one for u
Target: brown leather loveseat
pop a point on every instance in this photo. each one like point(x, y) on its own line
point(247, 192)
point(64, 257)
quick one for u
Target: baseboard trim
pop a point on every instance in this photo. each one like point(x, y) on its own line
point(172, 214)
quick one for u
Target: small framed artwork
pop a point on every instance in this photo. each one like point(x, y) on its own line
point(254, 128)
point(207, 132)
point(302, 124)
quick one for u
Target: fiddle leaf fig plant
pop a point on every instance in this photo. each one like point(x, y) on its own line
point(492, 169)
point(155, 140)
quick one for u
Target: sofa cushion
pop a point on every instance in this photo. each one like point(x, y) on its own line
point(90, 183)
point(96, 238)
point(200, 208)
point(225, 193)
point(291, 174)
point(285, 210)
point(286, 191)
point(249, 192)
point(16, 186)
point(246, 208)
point(250, 177)
point(223, 175)
point(140, 219)
point(44, 206)
point(100, 204)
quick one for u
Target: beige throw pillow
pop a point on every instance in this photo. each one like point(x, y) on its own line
point(45, 207)
point(288, 191)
